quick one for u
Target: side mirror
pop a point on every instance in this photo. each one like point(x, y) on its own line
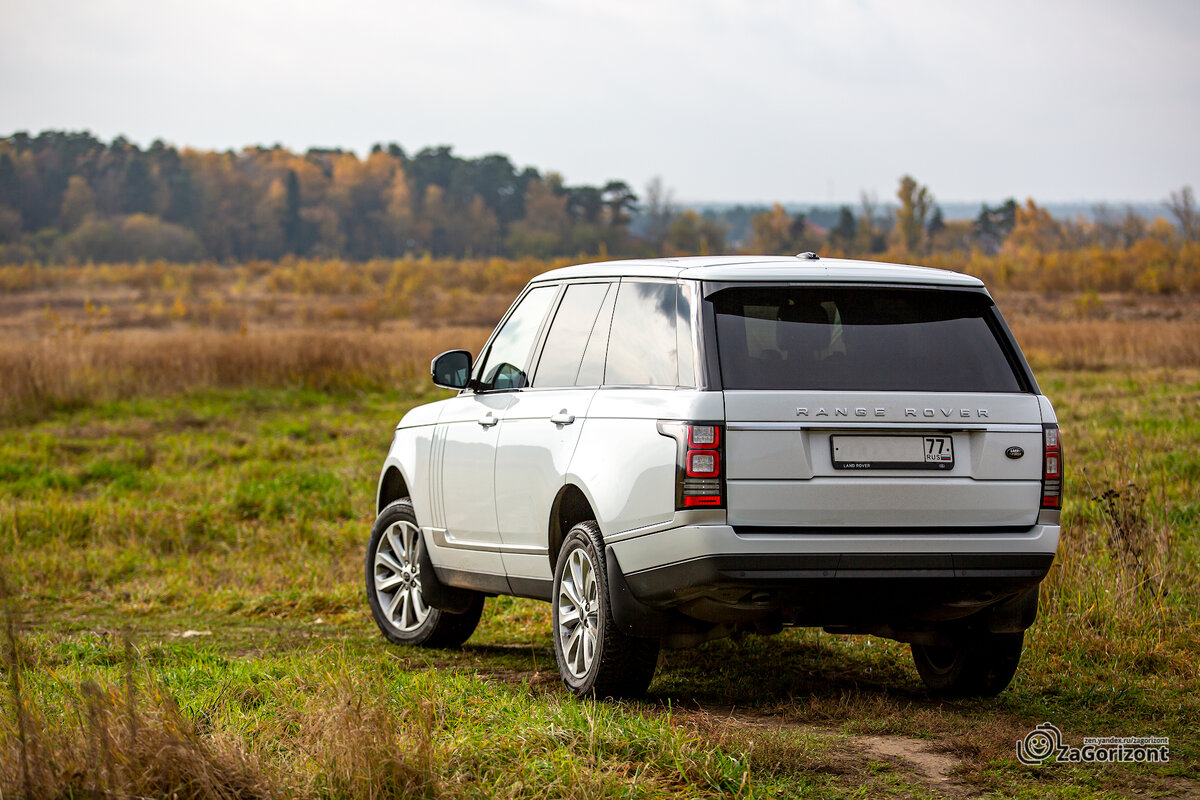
point(452, 369)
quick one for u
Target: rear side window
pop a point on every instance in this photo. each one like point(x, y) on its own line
point(859, 339)
point(591, 371)
point(643, 346)
point(569, 333)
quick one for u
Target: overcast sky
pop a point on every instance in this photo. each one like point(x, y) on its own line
point(757, 100)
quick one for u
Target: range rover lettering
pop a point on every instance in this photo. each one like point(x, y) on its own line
point(670, 451)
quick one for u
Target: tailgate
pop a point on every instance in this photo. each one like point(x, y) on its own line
point(870, 460)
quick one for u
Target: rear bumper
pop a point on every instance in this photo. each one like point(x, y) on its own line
point(787, 575)
point(651, 551)
point(859, 580)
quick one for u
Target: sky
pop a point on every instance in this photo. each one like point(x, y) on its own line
point(751, 101)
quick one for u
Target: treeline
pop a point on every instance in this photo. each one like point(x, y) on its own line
point(69, 197)
point(913, 227)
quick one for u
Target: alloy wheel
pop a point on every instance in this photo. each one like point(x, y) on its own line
point(578, 613)
point(398, 577)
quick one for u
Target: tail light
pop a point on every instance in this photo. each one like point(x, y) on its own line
point(700, 446)
point(1052, 466)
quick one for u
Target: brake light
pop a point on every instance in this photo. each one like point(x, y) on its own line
point(699, 482)
point(1051, 467)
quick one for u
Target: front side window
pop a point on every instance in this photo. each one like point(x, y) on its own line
point(859, 339)
point(506, 362)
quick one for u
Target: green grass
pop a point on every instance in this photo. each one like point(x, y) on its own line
point(243, 515)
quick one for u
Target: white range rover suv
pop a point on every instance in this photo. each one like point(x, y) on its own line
point(672, 450)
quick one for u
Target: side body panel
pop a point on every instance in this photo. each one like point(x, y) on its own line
point(533, 456)
point(461, 472)
point(409, 453)
point(626, 466)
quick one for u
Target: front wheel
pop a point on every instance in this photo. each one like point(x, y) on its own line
point(979, 666)
point(594, 658)
point(394, 586)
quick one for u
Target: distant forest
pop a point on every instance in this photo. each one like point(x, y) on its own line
point(70, 197)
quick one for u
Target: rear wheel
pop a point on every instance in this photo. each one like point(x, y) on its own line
point(394, 586)
point(981, 665)
point(594, 658)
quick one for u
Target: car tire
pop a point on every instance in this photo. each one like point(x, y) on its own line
point(981, 665)
point(594, 658)
point(393, 578)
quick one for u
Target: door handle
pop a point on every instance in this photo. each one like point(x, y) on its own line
point(488, 420)
point(563, 418)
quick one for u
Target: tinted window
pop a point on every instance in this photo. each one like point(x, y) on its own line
point(848, 339)
point(573, 323)
point(683, 333)
point(642, 347)
point(591, 371)
point(504, 365)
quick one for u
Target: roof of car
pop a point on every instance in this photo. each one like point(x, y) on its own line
point(764, 268)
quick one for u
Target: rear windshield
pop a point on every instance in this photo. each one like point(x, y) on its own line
point(859, 339)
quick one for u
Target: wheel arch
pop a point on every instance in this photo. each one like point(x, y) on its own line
point(571, 506)
point(392, 486)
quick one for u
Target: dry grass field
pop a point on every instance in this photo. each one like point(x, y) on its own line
point(74, 370)
point(187, 459)
point(70, 336)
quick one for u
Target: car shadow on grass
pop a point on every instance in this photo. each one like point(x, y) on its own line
point(765, 671)
point(753, 671)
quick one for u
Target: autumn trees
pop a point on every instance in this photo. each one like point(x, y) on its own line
point(912, 217)
point(1183, 206)
point(72, 196)
point(776, 231)
point(914, 229)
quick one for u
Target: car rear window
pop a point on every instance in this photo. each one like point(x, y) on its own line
point(859, 339)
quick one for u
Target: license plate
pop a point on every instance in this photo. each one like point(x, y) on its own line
point(892, 452)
